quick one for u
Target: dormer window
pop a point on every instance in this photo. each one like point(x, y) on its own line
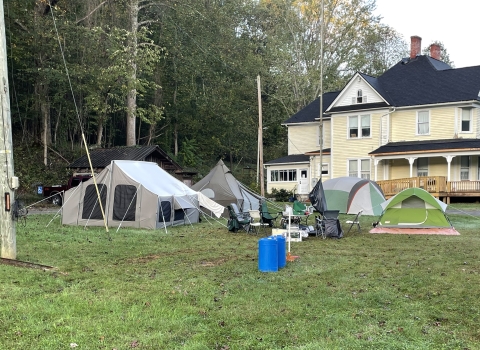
point(361, 98)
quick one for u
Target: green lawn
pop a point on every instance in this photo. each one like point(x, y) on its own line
point(198, 287)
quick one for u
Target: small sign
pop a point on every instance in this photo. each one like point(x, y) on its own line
point(39, 189)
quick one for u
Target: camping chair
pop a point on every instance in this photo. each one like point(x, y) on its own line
point(299, 208)
point(328, 224)
point(237, 222)
point(355, 222)
point(256, 221)
point(268, 217)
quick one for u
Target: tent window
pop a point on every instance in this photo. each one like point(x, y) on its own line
point(165, 212)
point(124, 203)
point(91, 208)
point(179, 214)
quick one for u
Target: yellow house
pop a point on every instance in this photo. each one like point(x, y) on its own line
point(420, 119)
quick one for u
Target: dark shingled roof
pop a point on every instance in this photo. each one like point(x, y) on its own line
point(425, 80)
point(422, 80)
point(293, 158)
point(102, 157)
point(427, 145)
point(311, 111)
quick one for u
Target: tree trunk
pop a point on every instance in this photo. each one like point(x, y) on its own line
point(132, 94)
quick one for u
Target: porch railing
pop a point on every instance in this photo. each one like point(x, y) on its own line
point(433, 184)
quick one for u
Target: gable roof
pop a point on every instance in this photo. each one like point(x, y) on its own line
point(405, 147)
point(311, 112)
point(102, 157)
point(422, 80)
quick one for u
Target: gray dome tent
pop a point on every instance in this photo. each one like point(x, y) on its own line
point(221, 186)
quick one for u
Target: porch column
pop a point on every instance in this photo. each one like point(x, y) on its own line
point(375, 162)
point(411, 160)
point(449, 162)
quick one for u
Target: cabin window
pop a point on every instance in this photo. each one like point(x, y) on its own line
point(359, 126)
point(91, 207)
point(359, 168)
point(466, 120)
point(464, 168)
point(422, 167)
point(124, 203)
point(283, 175)
point(423, 123)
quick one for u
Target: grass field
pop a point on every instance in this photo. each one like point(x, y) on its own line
point(198, 287)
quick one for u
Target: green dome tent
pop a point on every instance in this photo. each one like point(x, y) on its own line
point(350, 195)
point(414, 210)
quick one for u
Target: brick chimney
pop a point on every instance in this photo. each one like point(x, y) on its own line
point(415, 46)
point(435, 51)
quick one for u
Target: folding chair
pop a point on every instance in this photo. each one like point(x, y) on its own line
point(327, 215)
point(256, 221)
point(268, 217)
point(355, 222)
point(237, 222)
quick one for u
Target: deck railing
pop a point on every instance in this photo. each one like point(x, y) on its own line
point(432, 184)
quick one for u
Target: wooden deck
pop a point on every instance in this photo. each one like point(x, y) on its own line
point(437, 186)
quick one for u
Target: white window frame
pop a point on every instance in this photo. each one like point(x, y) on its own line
point(465, 168)
point(282, 174)
point(417, 124)
point(323, 136)
point(359, 170)
point(466, 112)
point(325, 169)
point(359, 128)
point(422, 169)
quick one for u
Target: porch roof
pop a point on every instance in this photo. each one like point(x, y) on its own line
point(427, 146)
point(292, 158)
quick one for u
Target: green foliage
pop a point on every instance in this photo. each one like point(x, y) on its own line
point(171, 290)
point(281, 195)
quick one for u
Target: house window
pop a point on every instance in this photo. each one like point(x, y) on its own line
point(423, 123)
point(464, 168)
point(359, 168)
point(466, 120)
point(283, 175)
point(324, 168)
point(422, 167)
point(359, 96)
point(359, 126)
point(321, 137)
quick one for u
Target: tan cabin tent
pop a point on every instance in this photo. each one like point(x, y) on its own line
point(135, 194)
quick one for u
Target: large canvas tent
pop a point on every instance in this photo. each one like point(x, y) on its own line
point(135, 194)
point(414, 210)
point(350, 195)
point(221, 186)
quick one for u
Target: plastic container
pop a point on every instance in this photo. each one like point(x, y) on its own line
point(268, 254)
point(282, 250)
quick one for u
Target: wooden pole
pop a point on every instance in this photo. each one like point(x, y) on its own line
point(7, 192)
point(260, 138)
point(321, 94)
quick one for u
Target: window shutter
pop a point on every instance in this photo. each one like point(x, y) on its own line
point(364, 99)
point(354, 100)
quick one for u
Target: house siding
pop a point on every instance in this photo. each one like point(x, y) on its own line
point(287, 185)
point(351, 93)
point(305, 138)
point(345, 149)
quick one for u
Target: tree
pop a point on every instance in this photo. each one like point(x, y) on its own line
point(444, 56)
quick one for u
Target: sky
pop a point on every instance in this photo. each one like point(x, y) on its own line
point(454, 23)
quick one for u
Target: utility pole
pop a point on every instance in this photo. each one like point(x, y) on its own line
point(8, 183)
point(321, 94)
point(260, 137)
